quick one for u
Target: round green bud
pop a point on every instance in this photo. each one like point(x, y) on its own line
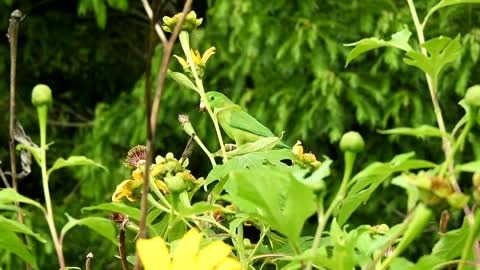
point(472, 96)
point(352, 141)
point(175, 184)
point(41, 95)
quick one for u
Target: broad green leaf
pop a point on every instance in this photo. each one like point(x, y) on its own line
point(427, 262)
point(251, 160)
point(412, 191)
point(32, 149)
point(473, 166)
point(446, 3)
point(8, 195)
point(263, 144)
point(104, 227)
point(399, 40)
point(274, 196)
point(132, 212)
point(182, 79)
point(11, 242)
point(15, 226)
point(421, 131)
point(364, 183)
point(442, 51)
point(73, 161)
point(451, 243)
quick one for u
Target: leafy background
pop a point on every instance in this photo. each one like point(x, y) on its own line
point(282, 60)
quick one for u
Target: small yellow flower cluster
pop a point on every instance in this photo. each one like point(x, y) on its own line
point(308, 159)
point(155, 255)
point(163, 171)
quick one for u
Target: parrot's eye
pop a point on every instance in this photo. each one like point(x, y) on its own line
point(212, 98)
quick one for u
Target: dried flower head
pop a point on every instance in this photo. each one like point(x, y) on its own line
point(135, 155)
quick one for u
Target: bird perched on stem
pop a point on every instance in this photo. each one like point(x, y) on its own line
point(237, 124)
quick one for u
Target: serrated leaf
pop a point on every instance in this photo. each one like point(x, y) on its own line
point(73, 161)
point(251, 160)
point(446, 3)
point(272, 195)
point(8, 195)
point(12, 243)
point(473, 166)
point(15, 226)
point(182, 79)
point(364, 183)
point(451, 243)
point(399, 40)
point(421, 131)
point(104, 227)
point(442, 51)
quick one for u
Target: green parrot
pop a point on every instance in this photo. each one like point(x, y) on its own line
point(237, 124)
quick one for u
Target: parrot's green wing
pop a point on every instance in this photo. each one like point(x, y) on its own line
point(244, 121)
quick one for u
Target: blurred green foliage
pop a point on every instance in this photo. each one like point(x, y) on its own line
point(282, 60)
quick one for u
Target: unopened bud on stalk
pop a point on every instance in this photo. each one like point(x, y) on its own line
point(41, 95)
point(472, 96)
point(352, 141)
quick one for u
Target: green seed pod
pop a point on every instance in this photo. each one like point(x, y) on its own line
point(472, 97)
point(41, 95)
point(352, 141)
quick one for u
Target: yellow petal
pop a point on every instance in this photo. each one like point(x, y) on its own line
point(197, 58)
point(153, 254)
point(297, 149)
point(229, 264)
point(184, 254)
point(212, 255)
point(161, 185)
point(181, 61)
point(123, 190)
point(207, 54)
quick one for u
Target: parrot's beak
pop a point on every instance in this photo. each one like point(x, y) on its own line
point(203, 106)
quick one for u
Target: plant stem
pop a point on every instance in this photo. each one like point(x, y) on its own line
point(42, 119)
point(433, 87)
point(241, 247)
point(121, 240)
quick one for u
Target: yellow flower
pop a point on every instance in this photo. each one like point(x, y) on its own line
point(198, 60)
point(307, 158)
point(128, 187)
point(154, 254)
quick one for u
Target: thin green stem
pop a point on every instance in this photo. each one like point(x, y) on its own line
point(205, 150)
point(241, 247)
point(185, 42)
point(214, 222)
point(263, 233)
point(42, 119)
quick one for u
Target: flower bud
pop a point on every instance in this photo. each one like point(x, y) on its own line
point(352, 141)
point(472, 96)
point(191, 22)
point(175, 184)
point(41, 95)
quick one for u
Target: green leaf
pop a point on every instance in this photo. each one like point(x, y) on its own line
point(442, 51)
point(412, 191)
point(421, 131)
point(15, 226)
point(182, 79)
point(263, 144)
point(251, 160)
point(316, 179)
point(427, 262)
point(473, 166)
point(9, 195)
point(73, 161)
point(100, 10)
point(451, 243)
point(12, 243)
point(104, 227)
point(364, 183)
point(199, 208)
point(446, 3)
point(399, 40)
point(272, 195)
point(132, 212)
